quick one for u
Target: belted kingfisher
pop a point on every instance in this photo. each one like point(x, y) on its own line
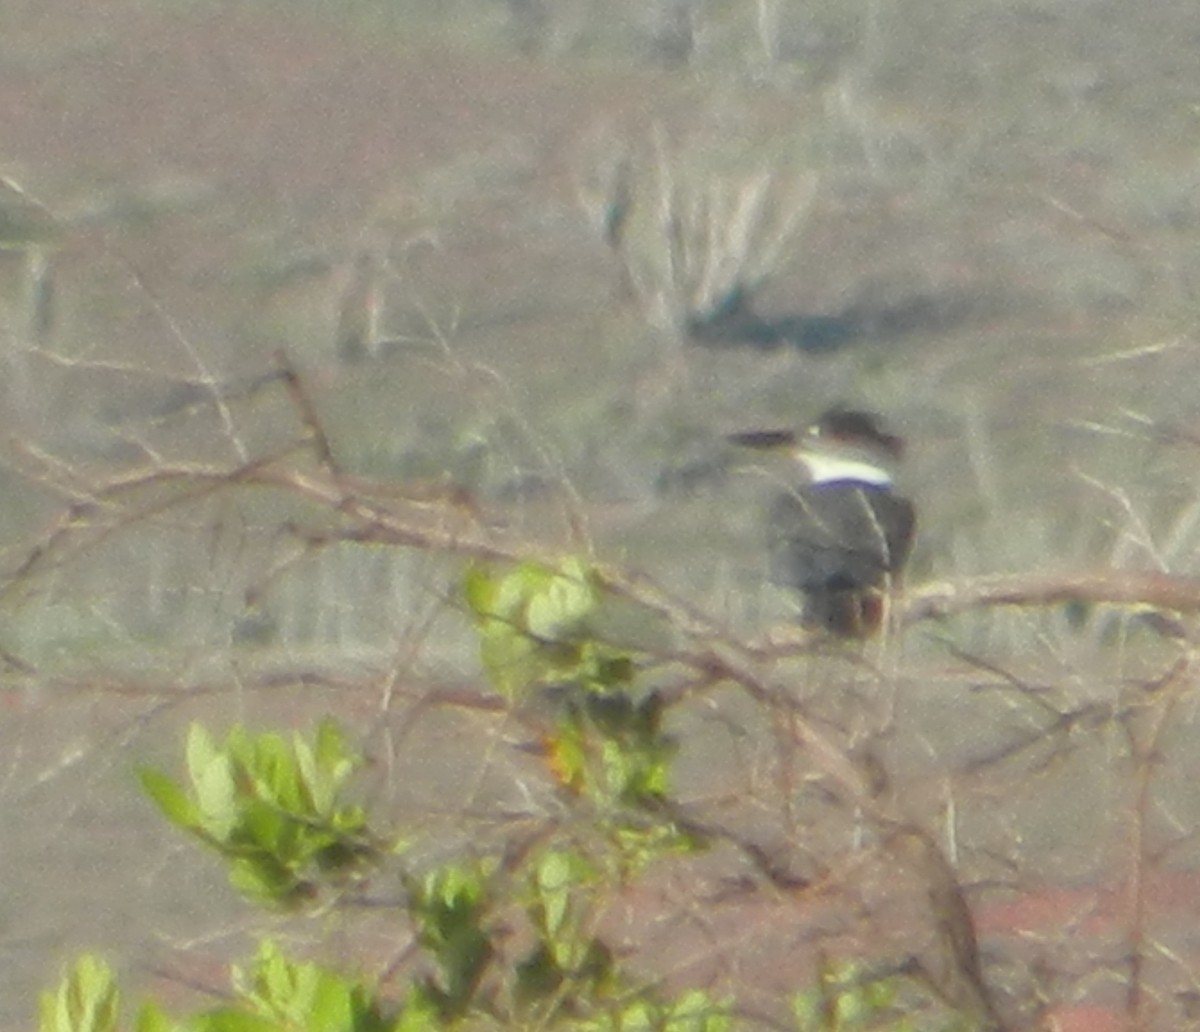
point(842, 535)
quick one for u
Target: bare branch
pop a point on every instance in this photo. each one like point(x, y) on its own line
point(1157, 591)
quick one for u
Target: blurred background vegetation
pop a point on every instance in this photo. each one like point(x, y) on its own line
point(538, 256)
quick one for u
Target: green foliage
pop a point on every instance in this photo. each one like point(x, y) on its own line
point(692, 1012)
point(567, 965)
point(614, 749)
point(86, 1001)
point(535, 626)
point(272, 809)
point(849, 998)
point(450, 906)
point(606, 744)
point(276, 994)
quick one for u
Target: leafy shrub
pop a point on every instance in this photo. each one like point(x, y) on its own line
point(274, 810)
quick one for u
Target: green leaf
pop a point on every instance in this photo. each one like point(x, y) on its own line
point(230, 1019)
point(510, 593)
point(331, 1008)
point(263, 878)
point(216, 797)
point(264, 825)
point(510, 660)
point(151, 1019)
point(86, 1001)
point(558, 608)
point(695, 1011)
point(170, 798)
point(200, 751)
point(554, 882)
point(269, 763)
point(420, 1013)
point(479, 589)
point(807, 1010)
point(538, 975)
point(326, 767)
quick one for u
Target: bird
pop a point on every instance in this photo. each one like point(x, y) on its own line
point(842, 534)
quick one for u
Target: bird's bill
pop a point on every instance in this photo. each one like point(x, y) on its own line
point(765, 440)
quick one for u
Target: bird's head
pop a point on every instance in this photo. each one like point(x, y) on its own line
point(843, 444)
